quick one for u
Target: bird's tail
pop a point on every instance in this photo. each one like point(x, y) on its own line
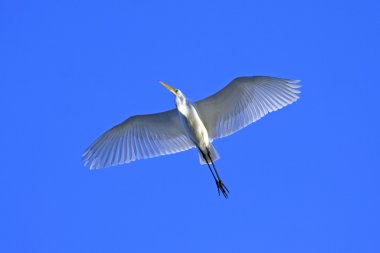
point(213, 153)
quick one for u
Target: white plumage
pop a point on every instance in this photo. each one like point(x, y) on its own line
point(240, 103)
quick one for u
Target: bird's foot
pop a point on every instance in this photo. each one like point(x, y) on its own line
point(222, 188)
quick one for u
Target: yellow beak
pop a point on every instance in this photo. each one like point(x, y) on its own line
point(168, 87)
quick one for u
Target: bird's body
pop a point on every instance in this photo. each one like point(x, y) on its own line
point(193, 124)
point(243, 101)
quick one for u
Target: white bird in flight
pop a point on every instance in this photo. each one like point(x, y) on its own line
point(192, 124)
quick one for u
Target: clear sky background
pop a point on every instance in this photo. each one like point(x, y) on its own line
point(302, 179)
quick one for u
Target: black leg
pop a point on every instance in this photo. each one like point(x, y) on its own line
point(220, 184)
point(213, 175)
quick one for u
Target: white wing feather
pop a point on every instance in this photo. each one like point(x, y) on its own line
point(138, 137)
point(243, 101)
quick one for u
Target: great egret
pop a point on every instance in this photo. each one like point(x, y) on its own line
point(243, 101)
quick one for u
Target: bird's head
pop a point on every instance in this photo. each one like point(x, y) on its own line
point(179, 97)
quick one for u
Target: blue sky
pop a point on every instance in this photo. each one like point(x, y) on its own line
point(302, 179)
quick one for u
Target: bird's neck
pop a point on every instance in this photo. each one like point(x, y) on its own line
point(182, 105)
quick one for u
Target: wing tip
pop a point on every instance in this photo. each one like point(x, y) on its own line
point(294, 80)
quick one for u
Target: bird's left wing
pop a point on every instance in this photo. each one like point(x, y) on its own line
point(243, 101)
point(138, 137)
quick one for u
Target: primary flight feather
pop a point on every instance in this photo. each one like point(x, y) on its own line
point(193, 124)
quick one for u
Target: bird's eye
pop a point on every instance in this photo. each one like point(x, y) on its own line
point(176, 91)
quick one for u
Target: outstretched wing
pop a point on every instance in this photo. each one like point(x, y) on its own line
point(138, 137)
point(243, 101)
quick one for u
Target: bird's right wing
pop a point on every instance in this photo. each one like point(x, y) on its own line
point(138, 137)
point(243, 101)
